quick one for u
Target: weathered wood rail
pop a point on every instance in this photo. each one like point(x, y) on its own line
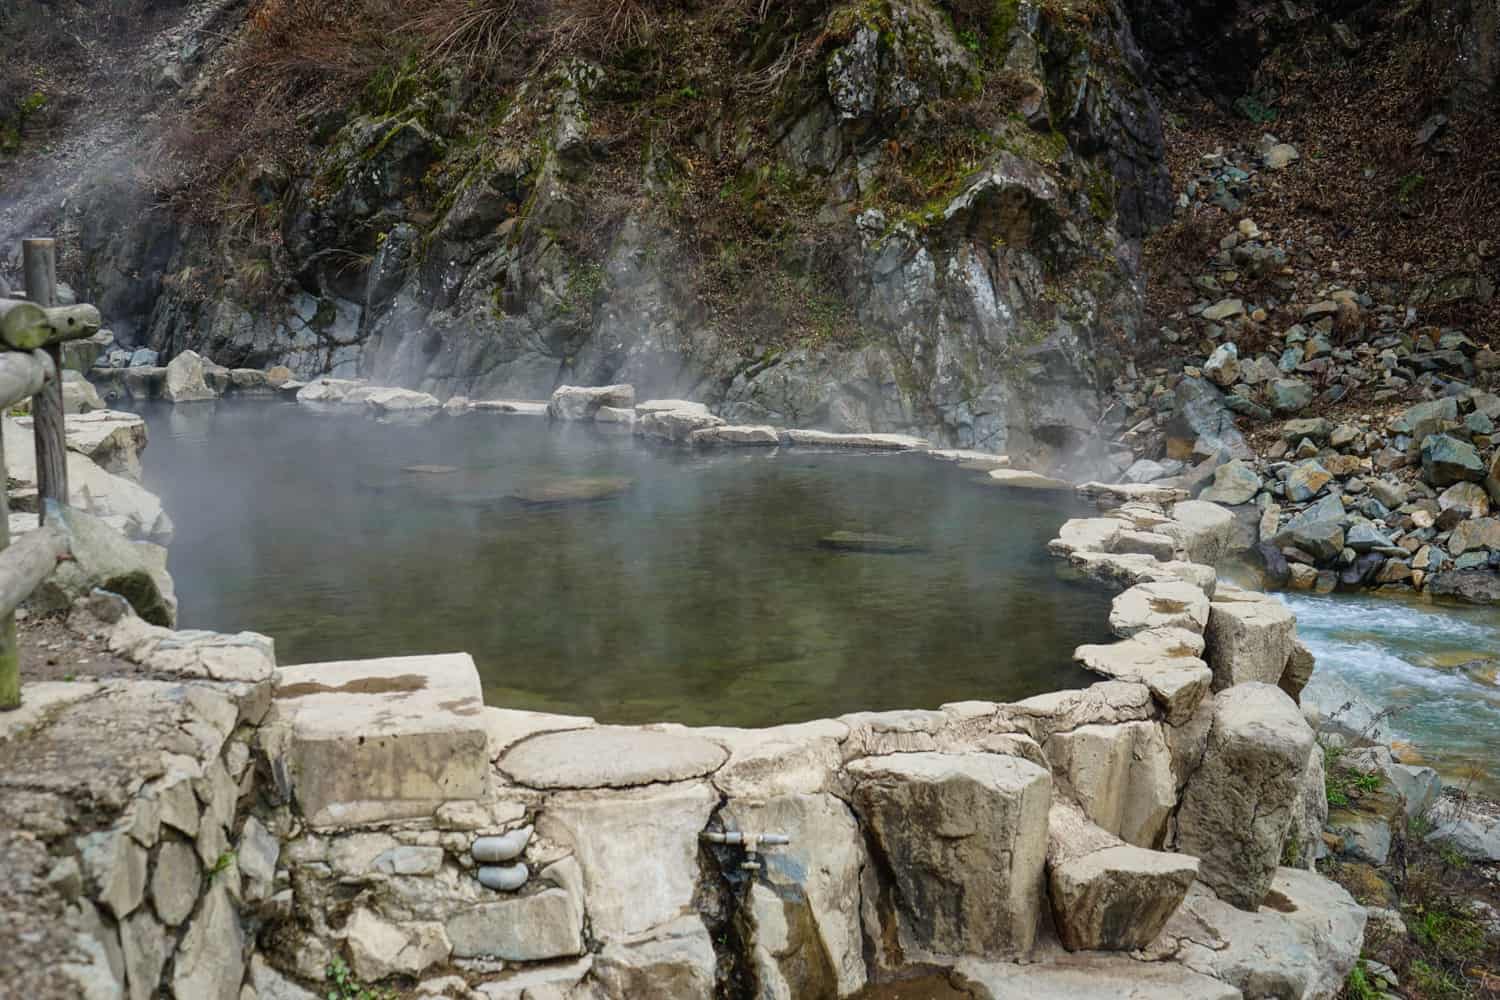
point(32, 332)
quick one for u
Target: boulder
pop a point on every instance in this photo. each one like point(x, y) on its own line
point(1205, 421)
point(186, 382)
point(1118, 899)
point(675, 425)
point(1299, 946)
point(1447, 460)
point(79, 395)
point(389, 400)
point(1289, 395)
point(574, 402)
point(1471, 828)
point(122, 504)
point(1306, 480)
point(991, 812)
point(369, 741)
point(1249, 641)
point(1165, 660)
point(1469, 499)
point(1473, 586)
point(1201, 530)
point(1237, 806)
point(735, 435)
point(1223, 365)
point(1119, 775)
point(1171, 604)
point(1479, 533)
point(1105, 895)
point(1234, 483)
point(327, 390)
point(111, 439)
point(105, 559)
point(1305, 837)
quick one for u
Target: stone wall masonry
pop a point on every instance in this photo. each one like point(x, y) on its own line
point(139, 788)
point(457, 850)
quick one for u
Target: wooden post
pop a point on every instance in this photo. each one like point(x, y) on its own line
point(39, 263)
point(10, 651)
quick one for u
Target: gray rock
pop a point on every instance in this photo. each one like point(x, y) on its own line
point(104, 559)
point(1300, 946)
point(1471, 828)
point(144, 358)
point(610, 757)
point(1223, 366)
point(1473, 586)
point(1249, 641)
point(186, 382)
point(1234, 483)
point(573, 402)
point(1289, 395)
point(993, 813)
point(175, 881)
point(1237, 807)
point(1306, 480)
point(1447, 460)
point(210, 958)
point(1118, 898)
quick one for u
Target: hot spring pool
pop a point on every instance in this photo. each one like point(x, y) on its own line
point(700, 594)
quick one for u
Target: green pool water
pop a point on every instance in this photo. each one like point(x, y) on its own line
point(700, 594)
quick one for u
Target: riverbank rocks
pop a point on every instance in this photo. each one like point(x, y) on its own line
point(575, 402)
point(938, 819)
point(1237, 806)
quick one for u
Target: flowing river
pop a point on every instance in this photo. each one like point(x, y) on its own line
point(1418, 662)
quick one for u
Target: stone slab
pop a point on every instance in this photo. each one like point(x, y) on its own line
point(365, 741)
point(610, 757)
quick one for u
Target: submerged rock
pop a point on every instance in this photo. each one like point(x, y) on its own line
point(866, 541)
point(583, 489)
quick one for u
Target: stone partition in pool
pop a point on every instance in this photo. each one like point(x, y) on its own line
point(1150, 834)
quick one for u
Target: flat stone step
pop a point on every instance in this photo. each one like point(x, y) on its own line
point(1089, 976)
point(368, 741)
point(610, 757)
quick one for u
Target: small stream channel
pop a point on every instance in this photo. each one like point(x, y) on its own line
point(1405, 656)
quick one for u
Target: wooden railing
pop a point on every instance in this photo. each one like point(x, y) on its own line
point(32, 332)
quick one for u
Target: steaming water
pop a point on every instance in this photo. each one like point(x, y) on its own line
point(699, 596)
point(1401, 655)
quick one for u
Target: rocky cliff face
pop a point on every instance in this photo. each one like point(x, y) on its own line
point(869, 216)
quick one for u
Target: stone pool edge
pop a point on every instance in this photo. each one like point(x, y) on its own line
point(362, 795)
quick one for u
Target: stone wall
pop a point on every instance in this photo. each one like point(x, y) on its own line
point(472, 851)
point(1129, 837)
point(123, 812)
